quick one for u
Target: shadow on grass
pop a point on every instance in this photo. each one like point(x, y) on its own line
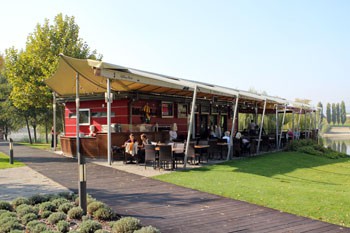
point(272, 164)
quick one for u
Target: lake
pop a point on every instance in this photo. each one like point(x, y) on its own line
point(341, 144)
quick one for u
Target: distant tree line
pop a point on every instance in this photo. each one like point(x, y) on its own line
point(335, 113)
point(25, 100)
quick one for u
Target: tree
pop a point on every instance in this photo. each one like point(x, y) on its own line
point(328, 113)
point(334, 113)
point(26, 70)
point(319, 113)
point(337, 107)
point(343, 112)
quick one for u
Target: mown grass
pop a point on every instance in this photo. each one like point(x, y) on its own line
point(5, 162)
point(302, 184)
point(42, 146)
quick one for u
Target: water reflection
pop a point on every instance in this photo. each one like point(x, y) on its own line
point(338, 144)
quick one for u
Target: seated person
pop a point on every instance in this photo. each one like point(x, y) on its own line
point(131, 148)
point(227, 136)
point(172, 134)
point(144, 141)
point(289, 134)
point(245, 144)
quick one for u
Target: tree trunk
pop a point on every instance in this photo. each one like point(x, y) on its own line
point(29, 135)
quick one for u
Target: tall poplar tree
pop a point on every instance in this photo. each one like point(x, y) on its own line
point(328, 113)
point(343, 112)
point(319, 112)
point(337, 107)
point(334, 113)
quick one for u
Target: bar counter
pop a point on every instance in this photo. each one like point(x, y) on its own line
point(96, 147)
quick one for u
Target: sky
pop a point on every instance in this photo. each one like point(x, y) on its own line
point(286, 48)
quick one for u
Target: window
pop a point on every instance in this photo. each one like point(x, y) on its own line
point(181, 110)
point(84, 116)
point(167, 110)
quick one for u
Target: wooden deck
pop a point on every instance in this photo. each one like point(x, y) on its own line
point(168, 207)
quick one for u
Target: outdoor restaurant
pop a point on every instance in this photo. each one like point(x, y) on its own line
point(112, 102)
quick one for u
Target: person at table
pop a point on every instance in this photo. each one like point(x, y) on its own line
point(172, 133)
point(130, 147)
point(252, 128)
point(141, 152)
point(227, 136)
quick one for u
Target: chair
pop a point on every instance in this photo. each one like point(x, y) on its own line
point(191, 154)
point(212, 150)
point(150, 155)
point(166, 156)
point(236, 145)
point(131, 150)
point(179, 152)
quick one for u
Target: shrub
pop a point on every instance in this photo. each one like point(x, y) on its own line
point(25, 209)
point(16, 231)
point(65, 207)
point(7, 213)
point(59, 201)
point(4, 205)
point(19, 201)
point(126, 225)
point(36, 226)
point(37, 199)
point(89, 199)
point(8, 224)
point(101, 231)
point(66, 195)
point(28, 218)
point(45, 214)
point(56, 217)
point(63, 226)
point(48, 205)
point(90, 226)
point(104, 213)
point(148, 229)
point(75, 213)
point(93, 206)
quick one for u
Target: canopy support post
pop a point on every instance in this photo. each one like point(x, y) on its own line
point(284, 116)
point(54, 138)
point(81, 159)
point(232, 129)
point(299, 130)
point(261, 126)
point(277, 127)
point(109, 134)
point(190, 125)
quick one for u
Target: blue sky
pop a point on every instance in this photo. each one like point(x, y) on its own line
point(292, 49)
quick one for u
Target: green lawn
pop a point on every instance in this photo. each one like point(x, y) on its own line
point(5, 162)
point(43, 146)
point(297, 183)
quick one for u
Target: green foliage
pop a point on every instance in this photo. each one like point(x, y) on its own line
point(36, 226)
point(19, 201)
point(65, 207)
point(90, 226)
point(342, 113)
point(28, 217)
point(48, 205)
point(328, 113)
point(59, 201)
point(126, 225)
point(93, 206)
point(56, 217)
point(4, 205)
point(7, 214)
point(37, 199)
point(63, 226)
point(75, 213)
point(309, 146)
point(148, 229)
point(9, 223)
point(104, 214)
point(45, 214)
point(25, 209)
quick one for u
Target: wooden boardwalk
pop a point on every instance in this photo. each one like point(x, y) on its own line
point(168, 207)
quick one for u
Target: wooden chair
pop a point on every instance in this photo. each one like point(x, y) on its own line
point(191, 154)
point(212, 150)
point(150, 155)
point(179, 153)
